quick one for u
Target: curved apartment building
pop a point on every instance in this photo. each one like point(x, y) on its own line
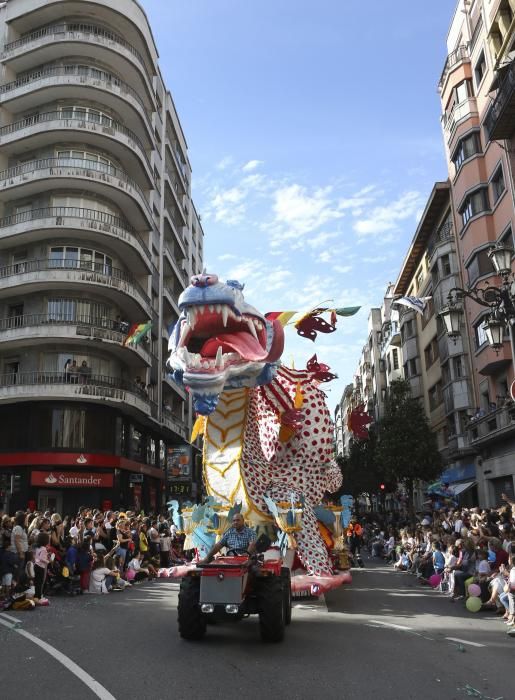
point(97, 233)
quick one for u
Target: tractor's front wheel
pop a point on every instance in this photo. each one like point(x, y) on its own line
point(192, 624)
point(271, 609)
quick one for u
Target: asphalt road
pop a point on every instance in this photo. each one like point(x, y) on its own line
point(384, 637)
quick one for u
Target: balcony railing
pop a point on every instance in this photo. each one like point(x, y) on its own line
point(442, 235)
point(72, 28)
point(80, 167)
point(59, 214)
point(106, 123)
point(73, 71)
point(25, 320)
point(100, 269)
point(500, 120)
point(487, 426)
point(462, 53)
point(52, 378)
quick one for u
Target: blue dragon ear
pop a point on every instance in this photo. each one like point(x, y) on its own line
point(177, 376)
point(235, 285)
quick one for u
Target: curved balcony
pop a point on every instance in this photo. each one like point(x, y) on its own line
point(51, 174)
point(95, 226)
point(56, 386)
point(38, 329)
point(35, 275)
point(96, 42)
point(175, 425)
point(93, 130)
point(86, 83)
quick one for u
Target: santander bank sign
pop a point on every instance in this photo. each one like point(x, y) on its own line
point(58, 479)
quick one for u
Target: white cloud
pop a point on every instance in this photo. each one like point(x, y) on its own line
point(298, 211)
point(227, 256)
point(342, 269)
point(387, 218)
point(225, 163)
point(251, 165)
point(320, 239)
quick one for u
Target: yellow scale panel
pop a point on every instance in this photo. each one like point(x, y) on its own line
point(223, 445)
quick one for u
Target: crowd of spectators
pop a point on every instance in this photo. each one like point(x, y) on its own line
point(92, 552)
point(462, 552)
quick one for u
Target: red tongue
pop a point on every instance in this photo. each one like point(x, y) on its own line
point(243, 343)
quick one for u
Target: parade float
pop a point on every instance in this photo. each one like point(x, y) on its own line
point(267, 433)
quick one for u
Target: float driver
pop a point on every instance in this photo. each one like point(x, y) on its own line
point(238, 538)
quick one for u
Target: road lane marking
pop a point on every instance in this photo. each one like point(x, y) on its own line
point(464, 641)
point(390, 624)
point(10, 617)
point(70, 665)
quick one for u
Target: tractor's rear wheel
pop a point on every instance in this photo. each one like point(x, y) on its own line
point(192, 624)
point(271, 609)
point(286, 578)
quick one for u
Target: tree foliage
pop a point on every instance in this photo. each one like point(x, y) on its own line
point(407, 449)
point(360, 470)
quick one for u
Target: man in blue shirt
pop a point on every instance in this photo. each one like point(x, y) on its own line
point(238, 537)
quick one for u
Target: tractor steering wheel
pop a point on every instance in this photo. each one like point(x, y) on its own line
point(237, 552)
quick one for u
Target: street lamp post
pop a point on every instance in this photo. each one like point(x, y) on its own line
point(500, 300)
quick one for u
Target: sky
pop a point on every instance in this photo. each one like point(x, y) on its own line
point(314, 137)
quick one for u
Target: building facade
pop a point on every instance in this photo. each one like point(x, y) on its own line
point(97, 233)
point(478, 120)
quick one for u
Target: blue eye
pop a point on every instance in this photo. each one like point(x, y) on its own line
point(235, 285)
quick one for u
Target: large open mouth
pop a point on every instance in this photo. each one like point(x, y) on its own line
point(215, 336)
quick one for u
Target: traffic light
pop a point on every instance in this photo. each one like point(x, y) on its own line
point(382, 487)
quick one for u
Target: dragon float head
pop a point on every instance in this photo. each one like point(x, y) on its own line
point(221, 342)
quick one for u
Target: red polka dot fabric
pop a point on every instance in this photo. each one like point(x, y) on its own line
point(303, 466)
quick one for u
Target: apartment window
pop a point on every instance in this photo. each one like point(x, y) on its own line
point(480, 334)
point(467, 147)
point(85, 114)
point(407, 330)
point(395, 359)
point(435, 396)
point(80, 258)
point(498, 185)
point(458, 367)
point(445, 262)
point(474, 203)
point(78, 310)
point(420, 278)
point(507, 237)
point(81, 156)
point(389, 364)
point(428, 312)
point(431, 353)
point(446, 375)
point(479, 265)
point(480, 69)
point(412, 368)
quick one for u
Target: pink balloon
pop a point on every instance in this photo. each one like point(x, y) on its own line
point(474, 590)
point(435, 580)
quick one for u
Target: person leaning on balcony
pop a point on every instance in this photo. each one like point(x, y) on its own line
point(84, 372)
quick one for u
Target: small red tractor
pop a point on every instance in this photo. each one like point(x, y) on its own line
point(234, 587)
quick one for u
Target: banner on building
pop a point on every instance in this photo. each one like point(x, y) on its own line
point(179, 462)
point(57, 479)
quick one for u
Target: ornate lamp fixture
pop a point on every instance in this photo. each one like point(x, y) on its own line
point(500, 300)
